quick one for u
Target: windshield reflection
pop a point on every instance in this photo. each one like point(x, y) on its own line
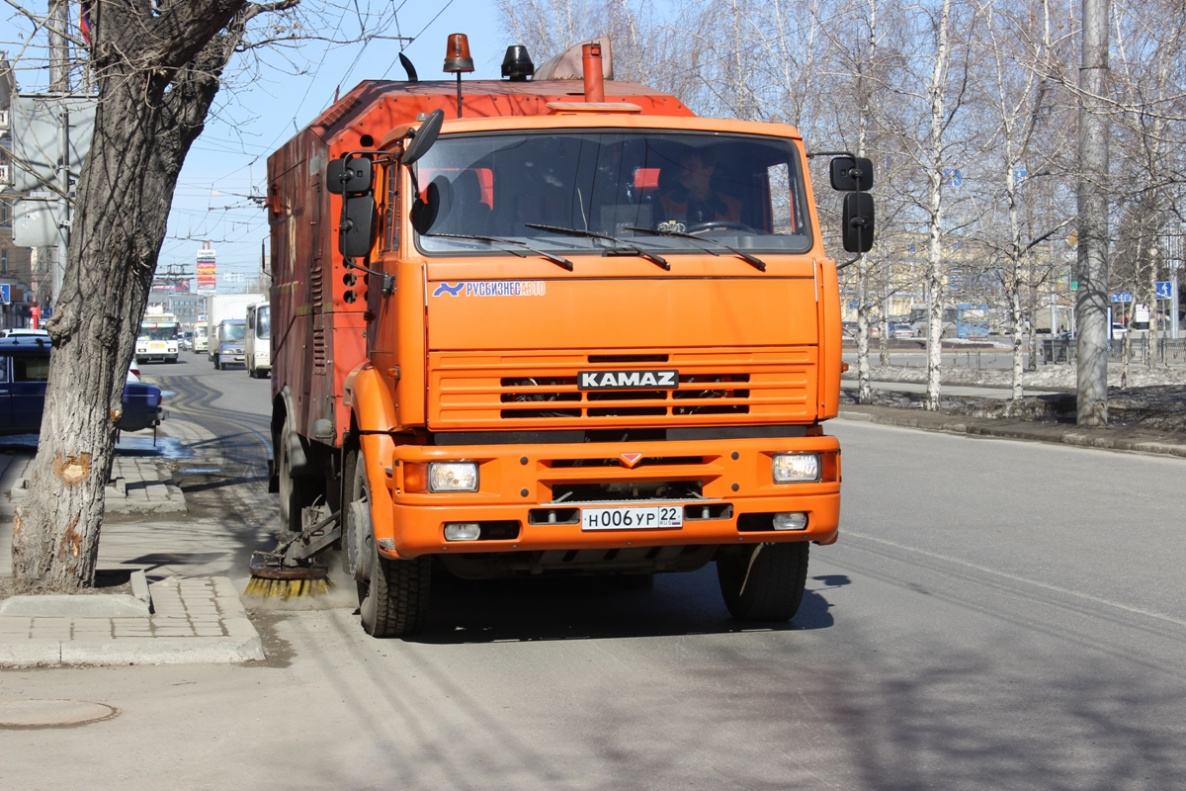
point(589, 190)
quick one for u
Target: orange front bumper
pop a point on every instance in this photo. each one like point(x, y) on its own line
point(519, 486)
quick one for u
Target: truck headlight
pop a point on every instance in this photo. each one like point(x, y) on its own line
point(452, 476)
point(796, 468)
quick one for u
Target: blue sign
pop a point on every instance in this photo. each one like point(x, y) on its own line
point(6, 293)
point(1165, 289)
point(1019, 175)
point(953, 176)
point(1122, 296)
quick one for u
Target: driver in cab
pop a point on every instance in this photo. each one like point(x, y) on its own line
point(693, 200)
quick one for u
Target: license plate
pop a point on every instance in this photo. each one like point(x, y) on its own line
point(652, 517)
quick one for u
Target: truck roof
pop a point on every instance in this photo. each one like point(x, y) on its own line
point(373, 107)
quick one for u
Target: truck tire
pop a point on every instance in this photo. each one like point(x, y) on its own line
point(292, 497)
point(763, 582)
point(392, 594)
point(395, 603)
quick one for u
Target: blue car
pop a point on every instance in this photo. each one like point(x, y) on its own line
point(24, 369)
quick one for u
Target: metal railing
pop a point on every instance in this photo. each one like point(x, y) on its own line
point(1163, 351)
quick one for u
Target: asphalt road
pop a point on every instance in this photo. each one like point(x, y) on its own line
point(996, 615)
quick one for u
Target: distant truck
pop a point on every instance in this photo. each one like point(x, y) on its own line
point(226, 317)
point(258, 345)
point(158, 338)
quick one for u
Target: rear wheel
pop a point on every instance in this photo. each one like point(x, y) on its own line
point(293, 497)
point(763, 582)
point(392, 594)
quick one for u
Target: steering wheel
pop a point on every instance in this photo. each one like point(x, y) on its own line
point(719, 225)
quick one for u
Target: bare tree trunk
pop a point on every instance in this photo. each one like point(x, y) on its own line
point(936, 93)
point(864, 388)
point(158, 72)
point(1092, 306)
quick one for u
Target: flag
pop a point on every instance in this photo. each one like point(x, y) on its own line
point(84, 22)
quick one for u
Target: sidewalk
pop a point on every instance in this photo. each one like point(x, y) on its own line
point(176, 620)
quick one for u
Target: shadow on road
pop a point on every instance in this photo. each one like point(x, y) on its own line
point(591, 608)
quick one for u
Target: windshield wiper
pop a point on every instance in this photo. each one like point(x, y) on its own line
point(754, 261)
point(559, 260)
point(631, 248)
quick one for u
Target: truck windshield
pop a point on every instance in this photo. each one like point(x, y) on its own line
point(743, 191)
point(232, 332)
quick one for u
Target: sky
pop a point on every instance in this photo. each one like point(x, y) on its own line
point(227, 165)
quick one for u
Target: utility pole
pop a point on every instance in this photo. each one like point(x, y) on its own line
point(59, 77)
point(59, 47)
point(1092, 305)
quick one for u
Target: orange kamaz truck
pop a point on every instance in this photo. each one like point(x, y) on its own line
point(553, 326)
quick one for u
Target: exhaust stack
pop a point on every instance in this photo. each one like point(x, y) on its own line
point(594, 80)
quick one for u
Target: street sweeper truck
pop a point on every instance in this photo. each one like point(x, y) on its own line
point(551, 326)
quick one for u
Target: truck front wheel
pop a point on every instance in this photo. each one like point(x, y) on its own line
point(763, 582)
point(392, 594)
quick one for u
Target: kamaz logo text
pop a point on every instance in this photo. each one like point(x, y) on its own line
point(627, 380)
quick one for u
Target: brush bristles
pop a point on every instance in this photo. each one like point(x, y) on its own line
point(287, 589)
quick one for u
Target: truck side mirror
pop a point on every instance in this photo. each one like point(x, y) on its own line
point(852, 174)
point(858, 222)
point(423, 137)
point(357, 232)
point(349, 175)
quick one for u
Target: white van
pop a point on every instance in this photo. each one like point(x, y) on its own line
point(201, 338)
point(258, 342)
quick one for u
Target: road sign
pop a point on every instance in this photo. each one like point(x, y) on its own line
point(953, 176)
point(1165, 289)
point(1121, 296)
point(37, 126)
point(6, 293)
point(38, 220)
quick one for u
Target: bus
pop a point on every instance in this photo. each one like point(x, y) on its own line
point(258, 349)
point(158, 337)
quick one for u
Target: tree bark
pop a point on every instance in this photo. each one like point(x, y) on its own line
point(157, 66)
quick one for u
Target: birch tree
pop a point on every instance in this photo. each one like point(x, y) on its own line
point(931, 98)
point(1015, 87)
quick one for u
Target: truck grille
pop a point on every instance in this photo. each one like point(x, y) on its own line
point(467, 391)
point(711, 394)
